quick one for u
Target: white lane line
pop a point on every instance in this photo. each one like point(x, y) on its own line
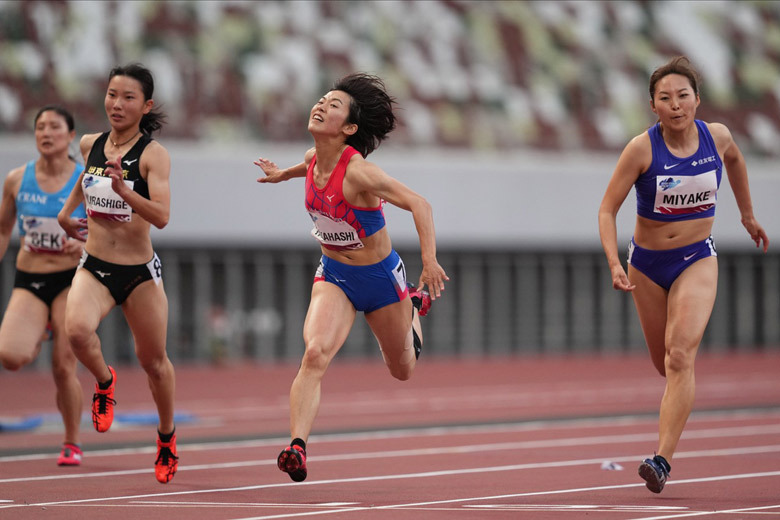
point(716, 512)
point(429, 474)
point(744, 431)
point(535, 493)
point(624, 508)
point(300, 505)
point(705, 433)
point(449, 450)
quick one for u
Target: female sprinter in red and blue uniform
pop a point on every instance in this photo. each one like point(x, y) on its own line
point(359, 269)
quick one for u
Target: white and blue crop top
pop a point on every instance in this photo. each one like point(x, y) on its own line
point(37, 211)
point(680, 188)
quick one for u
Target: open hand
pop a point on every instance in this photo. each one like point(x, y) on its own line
point(272, 172)
point(433, 276)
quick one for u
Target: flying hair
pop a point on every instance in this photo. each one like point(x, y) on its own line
point(371, 109)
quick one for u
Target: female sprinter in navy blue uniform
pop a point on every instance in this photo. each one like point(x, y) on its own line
point(33, 195)
point(676, 169)
point(125, 189)
point(359, 270)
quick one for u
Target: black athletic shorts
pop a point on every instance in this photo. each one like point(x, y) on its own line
point(46, 286)
point(122, 279)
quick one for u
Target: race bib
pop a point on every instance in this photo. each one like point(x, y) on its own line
point(103, 202)
point(43, 234)
point(155, 269)
point(335, 233)
point(399, 273)
point(685, 194)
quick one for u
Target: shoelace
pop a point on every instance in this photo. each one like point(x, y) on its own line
point(103, 401)
point(166, 456)
point(418, 296)
point(69, 453)
point(660, 464)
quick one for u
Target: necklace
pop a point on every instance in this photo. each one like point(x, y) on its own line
point(117, 145)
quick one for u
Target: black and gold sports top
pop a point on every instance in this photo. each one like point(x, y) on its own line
point(100, 198)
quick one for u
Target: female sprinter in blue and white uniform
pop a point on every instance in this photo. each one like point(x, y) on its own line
point(359, 270)
point(33, 195)
point(125, 187)
point(672, 269)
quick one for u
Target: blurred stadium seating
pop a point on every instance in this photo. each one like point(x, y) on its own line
point(550, 75)
point(556, 87)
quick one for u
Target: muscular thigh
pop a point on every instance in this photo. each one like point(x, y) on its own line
point(391, 325)
point(329, 318)
point(23, 323)
point(650, 300)
point(88, 301)
point(691, 299)
point(62, 353)
point(146, 312)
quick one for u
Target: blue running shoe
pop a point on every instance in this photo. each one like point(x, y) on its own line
point(655, 473)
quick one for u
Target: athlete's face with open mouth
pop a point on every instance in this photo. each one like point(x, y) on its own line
point(675, 102)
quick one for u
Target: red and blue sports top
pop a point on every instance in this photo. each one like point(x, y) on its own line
point(339, 225)
point(676, 188)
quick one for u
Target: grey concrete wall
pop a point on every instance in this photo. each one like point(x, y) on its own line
point(513, 200)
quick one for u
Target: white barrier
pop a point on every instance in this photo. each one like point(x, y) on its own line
point(483, 200)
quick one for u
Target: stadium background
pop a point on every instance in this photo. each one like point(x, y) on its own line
point(512, 118)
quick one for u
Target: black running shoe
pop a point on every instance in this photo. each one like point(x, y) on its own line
point(292, 460)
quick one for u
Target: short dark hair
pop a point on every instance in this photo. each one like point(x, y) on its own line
point(371, 109)
point(677, 65)
point(59, 110)
point(154, 120)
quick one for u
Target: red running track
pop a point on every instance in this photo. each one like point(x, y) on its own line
point(493, 439)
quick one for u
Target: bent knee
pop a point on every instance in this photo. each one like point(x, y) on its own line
point(155, 366)
point(401, 367)
point(401, 373)
point(315, 358)
point(16, 361)
point(79, 334)
point(63, 368)
point(679, 360)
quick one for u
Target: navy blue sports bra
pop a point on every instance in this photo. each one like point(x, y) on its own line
point(675, 188)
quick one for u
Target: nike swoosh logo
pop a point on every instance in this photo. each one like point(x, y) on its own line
point(131, 162)
point(688, 257)
point(670, 166)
